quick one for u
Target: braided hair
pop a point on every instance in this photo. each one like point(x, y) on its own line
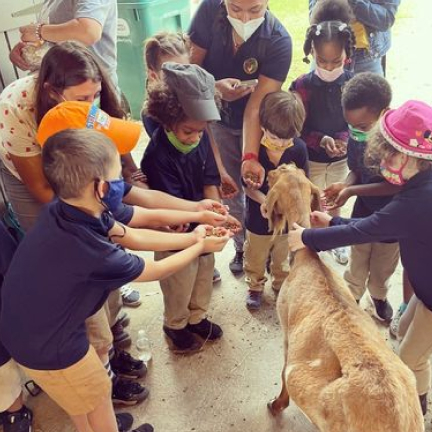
point(330, 23)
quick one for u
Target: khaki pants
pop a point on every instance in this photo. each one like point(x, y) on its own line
point(99, 331)
point(371, 265)
point(416, 345)
point(187, 293)
point(325, 174)
point(115, 305)
point(257, 250)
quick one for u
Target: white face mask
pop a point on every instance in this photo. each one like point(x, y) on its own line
point(245, 30)
point(329, 76)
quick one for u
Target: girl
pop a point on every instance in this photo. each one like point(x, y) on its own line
point(179, 160)
point(174, 47)
point(330, 41)
point(402, 146)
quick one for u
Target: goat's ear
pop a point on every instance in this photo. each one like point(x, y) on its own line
point(315, 198)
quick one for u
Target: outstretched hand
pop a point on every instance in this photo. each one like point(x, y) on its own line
point(295, 241)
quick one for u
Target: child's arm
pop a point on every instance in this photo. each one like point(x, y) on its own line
point(157, 270)
point(154, 199)
point(157, 218)
point(255, 195)
point(149, 240)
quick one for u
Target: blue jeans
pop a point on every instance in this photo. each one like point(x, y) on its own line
point(230, 143)
point(362, 61)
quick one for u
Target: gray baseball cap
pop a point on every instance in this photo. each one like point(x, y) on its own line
point(195, 89)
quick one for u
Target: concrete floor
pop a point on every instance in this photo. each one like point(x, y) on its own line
point(227, 385)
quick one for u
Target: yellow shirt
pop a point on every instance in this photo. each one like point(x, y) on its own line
point(362, 41)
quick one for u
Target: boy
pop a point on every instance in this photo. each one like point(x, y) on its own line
point(281, 118)
point(364, 99)
point(179, 160)
point(79, 260)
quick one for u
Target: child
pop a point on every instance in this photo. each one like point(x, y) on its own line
point(179, 160)
point(402, 147)
point(364, 99)
point(79, 260)
point(281, 117)
point(174, 47)
point(158, 49)
point(330, 41)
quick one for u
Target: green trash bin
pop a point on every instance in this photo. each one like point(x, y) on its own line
point(138, 20)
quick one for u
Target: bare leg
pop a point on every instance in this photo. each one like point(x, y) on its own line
point(103, 418)
point(17, 405)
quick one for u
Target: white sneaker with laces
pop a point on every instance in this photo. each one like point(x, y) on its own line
point(130, 296)
point(394, 325)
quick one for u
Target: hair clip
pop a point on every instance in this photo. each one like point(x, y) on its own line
point(318, 30)
point(342, 27)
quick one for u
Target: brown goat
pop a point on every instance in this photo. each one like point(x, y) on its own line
point(338, 368)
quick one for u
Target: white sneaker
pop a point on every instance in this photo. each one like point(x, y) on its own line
point(340, 255)
point(130, 296)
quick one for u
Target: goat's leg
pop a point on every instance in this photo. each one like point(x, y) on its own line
point(276, 406)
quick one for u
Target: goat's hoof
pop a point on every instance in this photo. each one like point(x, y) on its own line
point(272, 406)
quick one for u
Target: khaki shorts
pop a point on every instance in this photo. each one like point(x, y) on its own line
point(10, 384)
point(99, 331)
point(325, 174)
point(78, 389)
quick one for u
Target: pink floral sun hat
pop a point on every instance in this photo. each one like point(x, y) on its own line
point(409, 129)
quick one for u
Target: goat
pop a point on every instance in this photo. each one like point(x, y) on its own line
point(338, 368)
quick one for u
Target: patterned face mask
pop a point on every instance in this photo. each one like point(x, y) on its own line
point(275, 144)
point(393, 175)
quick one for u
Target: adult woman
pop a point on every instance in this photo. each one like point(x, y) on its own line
point(240, 40)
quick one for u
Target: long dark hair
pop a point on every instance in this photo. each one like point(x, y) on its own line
point(69, 64)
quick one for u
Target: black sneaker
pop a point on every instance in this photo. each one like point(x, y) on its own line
point(124, 421)
point(423, 403)
point(19, 421)
point(206, 329)
point(382, 310)
point(144, 428)
point(123, 320)
point(122, 339)
point(124, 365)
point(236, 264)
point(125, 392)
point(183, 340)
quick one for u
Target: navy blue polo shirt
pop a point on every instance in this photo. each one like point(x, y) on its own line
point(8, 246)
point(61, 274)
point(364, 205)
point(324, 116)
point(181, 175)
point(269, 49)
point(150, 124)
point(407, 218)
point(297, 154)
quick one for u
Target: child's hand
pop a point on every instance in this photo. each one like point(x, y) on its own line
point(209, 217)
point(215, 243)
point(328, 144)
point(341, 199)
point(263, 210)
point(228, 188)
point(233, 224)
point(331, 193)
point(341, 147)
point(212, 205)
point(295, 241)
point(253, 173)
point(320, 219)
point(230, 89)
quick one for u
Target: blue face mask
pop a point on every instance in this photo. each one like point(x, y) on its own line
point(114, 196)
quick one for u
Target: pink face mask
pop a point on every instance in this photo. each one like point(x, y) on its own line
point(393, 175)
point(329, 76)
